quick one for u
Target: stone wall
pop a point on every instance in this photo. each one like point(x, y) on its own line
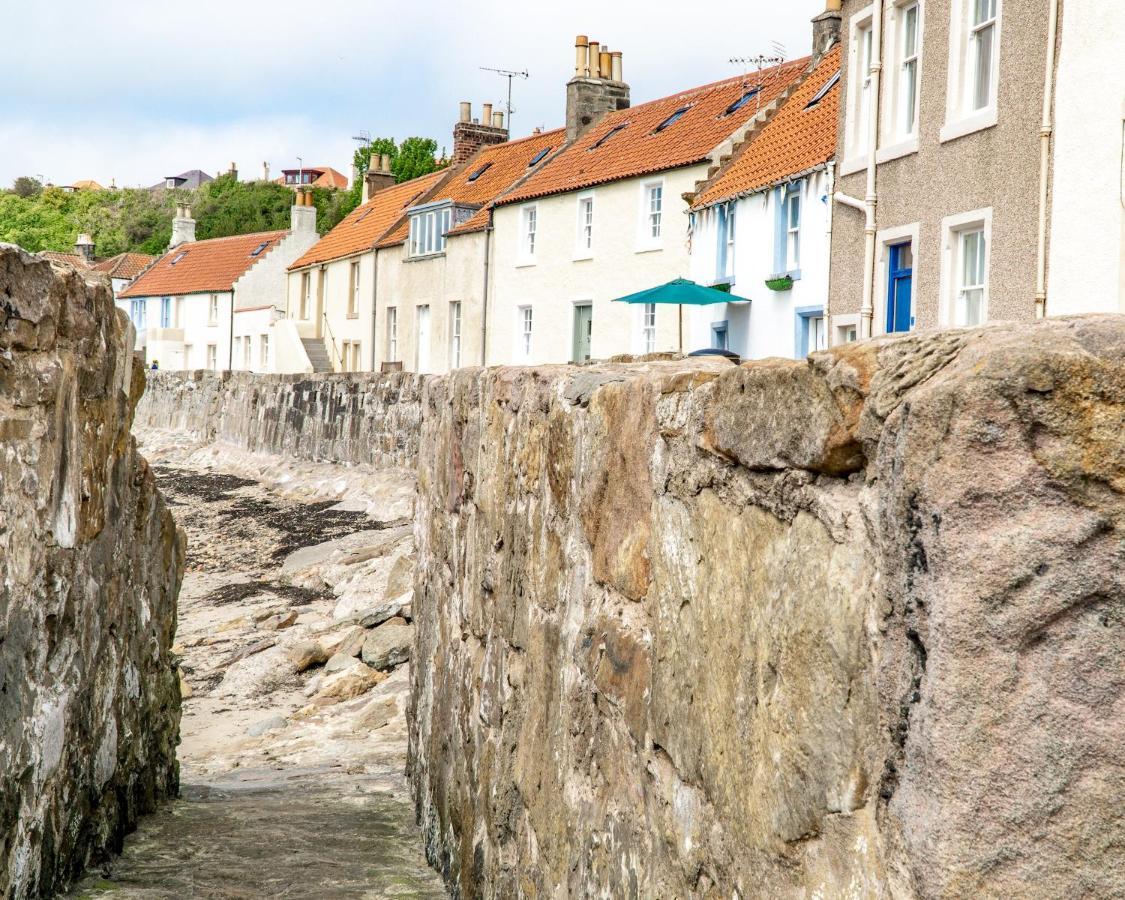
point(90, 566)
point(847, 627)
point(354, 418)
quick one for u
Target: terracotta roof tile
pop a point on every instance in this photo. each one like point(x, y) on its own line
point(203, 266)
point(796, 139)
point(630, 142)
point(65, 259)
point(364, 225)
point(500, 166)
point(124, 265)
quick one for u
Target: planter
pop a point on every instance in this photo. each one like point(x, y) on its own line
point(782, 283)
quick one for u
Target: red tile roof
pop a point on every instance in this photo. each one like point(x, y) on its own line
point(328, 178)
point(798, 138)
point(65, 259)
point(631, 142)
point(124, 265)
point(203, 266)
point(500, 166)
point(365, 224)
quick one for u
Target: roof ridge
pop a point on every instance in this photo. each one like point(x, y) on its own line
point(712, 85)
point(227, 237)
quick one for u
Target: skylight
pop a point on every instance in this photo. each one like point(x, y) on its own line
point(605, 137)
point(538, 156)
point(828, 85)
point(178, 257)
point(671, 120)
point(257, 250)
point(363, 215)
point(742, 101)
point(477, 174)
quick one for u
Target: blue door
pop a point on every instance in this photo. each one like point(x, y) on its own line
point(901, 288)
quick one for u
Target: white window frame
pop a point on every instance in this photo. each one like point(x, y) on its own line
point(884, 240)
point(455, 322)
point(528, 234)
point(305, 304)
point(651, 219)
point(246, 353)
point(525, 332)
point(648, 328)
point(427, 232)
point(793, 232)
point(952, 228)
point(392, 334)
point(353, 294)
point(187, 355)
point(264, 352)
point(903, 141)
point(212, 360)
point(960, 117)
point(857, 131)
point(584, 226)
point(213, 310)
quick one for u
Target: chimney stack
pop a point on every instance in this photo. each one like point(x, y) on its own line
point(826, 28)
point(234, 171)
point(378, 176)
point(302, 214)
point(265, 171)
point(597, 87)
point(84, 247)
point(183, 227)
point(469, 135)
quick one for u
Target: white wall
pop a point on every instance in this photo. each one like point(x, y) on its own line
point(252, 327)
point(1087, 250)
point(768, 325)
point(264, 282)
point(342, 326)
point(557, 280)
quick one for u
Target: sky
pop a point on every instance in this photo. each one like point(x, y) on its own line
point(131, 92)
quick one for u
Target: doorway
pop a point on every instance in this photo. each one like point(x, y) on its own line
point(900, 290)
point(422, 331)
point(583, 331)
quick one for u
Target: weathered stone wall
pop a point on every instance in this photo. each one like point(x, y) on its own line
point(353, 418)
point(848, 627)
point(90, 567)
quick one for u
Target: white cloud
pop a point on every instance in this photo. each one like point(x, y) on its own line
point(161, 90)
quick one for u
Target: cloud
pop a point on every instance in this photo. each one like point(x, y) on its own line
point(133, 91)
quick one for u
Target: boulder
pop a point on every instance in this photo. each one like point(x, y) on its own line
point(389, 645)
point(306, 654)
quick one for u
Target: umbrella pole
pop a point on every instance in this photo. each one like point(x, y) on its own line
point(681, 309)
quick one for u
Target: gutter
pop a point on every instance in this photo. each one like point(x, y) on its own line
point(867, 310)
point(1045, 132)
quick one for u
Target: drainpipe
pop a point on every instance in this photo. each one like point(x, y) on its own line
point(484, 303)
point(230, 337)
point(1045, 132)
point(830, 190)
point(374, 305)
point(867, 310)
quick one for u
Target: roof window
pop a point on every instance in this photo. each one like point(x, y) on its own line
point(363, 215)
point(742, 101)
point(820, 95)
point(539, 156)
point(671, 120)
point(477, 174)
point(605, 137)
point(178, 257)
point(257, 250)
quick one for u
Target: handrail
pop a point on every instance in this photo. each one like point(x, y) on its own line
point(332, 340)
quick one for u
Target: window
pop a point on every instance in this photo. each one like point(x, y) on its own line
point(741, 101)
point(392, 334)
point(538, 158)
point(353, 363)
point(455, 335)
point(719, 336)
point(530, 222)
point(726, 221)
point(187, 356)
point(971, 287)
point(648, 327)
point(671, 120)
point(306, 294)
point(353, 294)
point(165, 312)
point(257, 251)
point(907, 90)
point(178, 257)
point(605, 137)
point(422, 338)
point(793, 231)
point(846, 334)
point(137, 313)
point(653, 212)
point(974, 66)
point(525, 333)
point(818, 335)
point(585, 226)
point(246, 351)
point(169, 182)
point(862, 131)
point(213, 309)
point(477, 174)
point(212, 357)
point(823, 92)
point(264, 352)
point(427, 231)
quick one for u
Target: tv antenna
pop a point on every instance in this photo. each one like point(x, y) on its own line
point(364, 137)
point(509, 74)
point(760, 62)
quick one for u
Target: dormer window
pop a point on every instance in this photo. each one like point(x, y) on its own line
point(671, 120)
point(427, 231)
point(170, 183)
point(742, 101)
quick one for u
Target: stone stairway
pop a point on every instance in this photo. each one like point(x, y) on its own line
point(317, 354)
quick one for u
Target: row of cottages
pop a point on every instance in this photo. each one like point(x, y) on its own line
point(219, 303)
point(980, 163)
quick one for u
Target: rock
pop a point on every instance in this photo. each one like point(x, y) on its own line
point(91, 562)
point(250, 650)
point(389, 645)
point(185, 688)
point(377, 615)
point(353, 681)
point(347, 640)
point(400, 580)
point(339, 662)
point(274, 723)
point(235, 624)
point(279, 621)
point(377, 714)
point(306, 654)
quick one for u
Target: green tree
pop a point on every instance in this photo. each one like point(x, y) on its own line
point(25, 186)
point(415, 157)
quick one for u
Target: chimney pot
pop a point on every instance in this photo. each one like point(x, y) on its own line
point(466, 111)
point(498, 119)
point(385, 162)
point(302, 215)
point(604, 65)
point(486, 114)
point(589, 99)
point(595, 58)
point(615, 65)
point(581, 56)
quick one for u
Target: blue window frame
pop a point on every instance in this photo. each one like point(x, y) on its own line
point(900, 288)
point(137, 314)
point(719, 336)
point(165, 312)
point(787, 230)
point(811, 330)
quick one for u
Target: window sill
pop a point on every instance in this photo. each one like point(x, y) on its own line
point(852, 164)
point(792, 274)
point(897, 151)
point(978, 121)
point(424, 256)
point(525, 264)
point(352, 315)
point(648, 248)
point(582, 257)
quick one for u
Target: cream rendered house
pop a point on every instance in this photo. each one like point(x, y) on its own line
point(760, 228)
point(606, 216)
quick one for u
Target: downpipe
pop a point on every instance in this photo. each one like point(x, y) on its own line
point(1045, 133)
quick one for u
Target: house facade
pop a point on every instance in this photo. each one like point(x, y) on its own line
point(760, 229)
point(971, 98)
point(606, 216)
point(218, 304)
